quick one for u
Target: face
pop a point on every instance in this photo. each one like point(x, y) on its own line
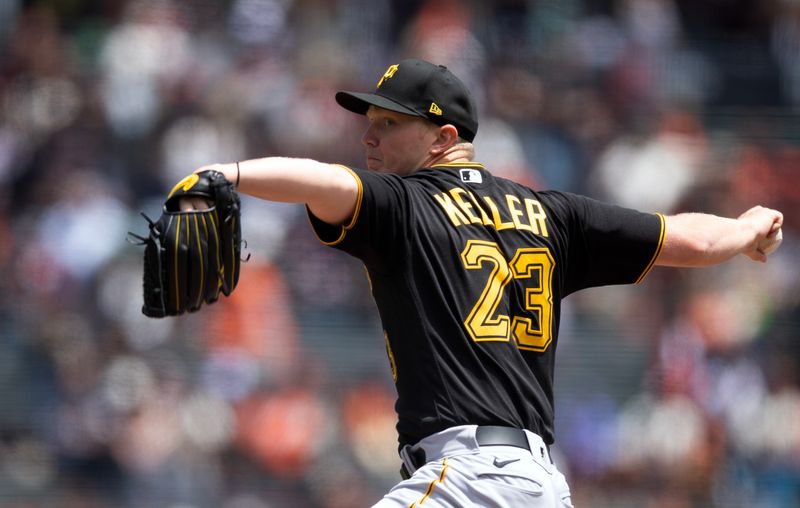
point(397, 143)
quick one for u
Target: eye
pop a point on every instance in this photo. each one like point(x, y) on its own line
point(388, 122)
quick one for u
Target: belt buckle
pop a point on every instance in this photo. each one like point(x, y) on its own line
point(494, 435)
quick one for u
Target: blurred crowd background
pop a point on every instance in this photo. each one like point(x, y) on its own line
point(681, 392)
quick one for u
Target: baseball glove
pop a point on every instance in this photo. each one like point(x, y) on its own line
point(192, 256)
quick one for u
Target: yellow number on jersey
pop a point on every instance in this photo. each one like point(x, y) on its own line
point(483, 323)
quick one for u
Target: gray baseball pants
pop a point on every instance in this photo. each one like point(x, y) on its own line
point(456, 472)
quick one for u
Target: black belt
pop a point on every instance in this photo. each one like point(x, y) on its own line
point(485, 435)
point(492, 435)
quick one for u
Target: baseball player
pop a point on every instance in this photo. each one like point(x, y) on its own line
point(468, 271)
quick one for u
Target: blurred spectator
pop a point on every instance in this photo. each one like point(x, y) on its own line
point(143, 57)
point(654, 173)
point(369, 419)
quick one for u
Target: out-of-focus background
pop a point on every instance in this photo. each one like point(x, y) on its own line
point(680, 392)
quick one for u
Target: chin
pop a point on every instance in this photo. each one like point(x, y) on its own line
point(376, 166)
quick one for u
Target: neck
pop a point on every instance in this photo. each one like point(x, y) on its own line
point(460, 152)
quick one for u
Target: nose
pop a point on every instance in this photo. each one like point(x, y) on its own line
point(369, 139)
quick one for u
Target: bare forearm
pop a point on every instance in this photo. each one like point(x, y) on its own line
point(330, 191)
point(278, 178)
point(695, 239)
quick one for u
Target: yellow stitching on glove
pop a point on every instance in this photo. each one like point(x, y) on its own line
point(175, 268)
point(187, 183)
point(201, 287)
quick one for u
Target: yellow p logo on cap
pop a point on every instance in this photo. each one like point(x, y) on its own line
point(388, 74)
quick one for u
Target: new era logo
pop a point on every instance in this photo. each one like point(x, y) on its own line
point(435, 109)
point(471, 176)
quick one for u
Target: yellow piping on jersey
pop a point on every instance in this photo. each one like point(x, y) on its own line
point(432, 485)
point(390, 354)
point(660, 246)
point(459, 165)
point(353, 220)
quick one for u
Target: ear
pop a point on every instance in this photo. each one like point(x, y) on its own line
point(446, 137)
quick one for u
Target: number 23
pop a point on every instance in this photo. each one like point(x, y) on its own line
point(483, 323)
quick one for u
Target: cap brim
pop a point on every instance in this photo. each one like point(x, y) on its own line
point(360, 103)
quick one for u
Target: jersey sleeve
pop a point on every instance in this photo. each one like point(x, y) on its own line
point(606, 244)
point(378, 221)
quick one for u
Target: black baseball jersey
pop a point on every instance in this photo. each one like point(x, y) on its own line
point(468, 271)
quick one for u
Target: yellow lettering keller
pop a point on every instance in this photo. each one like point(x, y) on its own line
point(464, 207)
point(536, 217)
point(388, 74)
point(513, 207)
point(498, 221)
point(452, 211)
point(458, 197)
point(484, 218)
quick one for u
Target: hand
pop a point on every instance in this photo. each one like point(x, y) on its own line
point(764, 223)
point(189, 204)
point(230, 170)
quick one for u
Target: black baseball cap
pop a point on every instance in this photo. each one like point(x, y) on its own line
point(419, 88)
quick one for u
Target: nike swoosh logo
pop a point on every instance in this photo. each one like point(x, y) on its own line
point(503, 463)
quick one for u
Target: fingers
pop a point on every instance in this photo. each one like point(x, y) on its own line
point(208, 167)
point(188, 204)
point(777, 220)
point(228, 170)
point(757, 255)
point(765, 221)
point(776, 225)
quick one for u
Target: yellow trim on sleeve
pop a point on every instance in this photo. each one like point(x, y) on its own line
point(660, 246)
point(358, 198)
point(356, 212)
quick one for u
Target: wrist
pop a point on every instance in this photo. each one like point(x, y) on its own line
point(230, 171)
